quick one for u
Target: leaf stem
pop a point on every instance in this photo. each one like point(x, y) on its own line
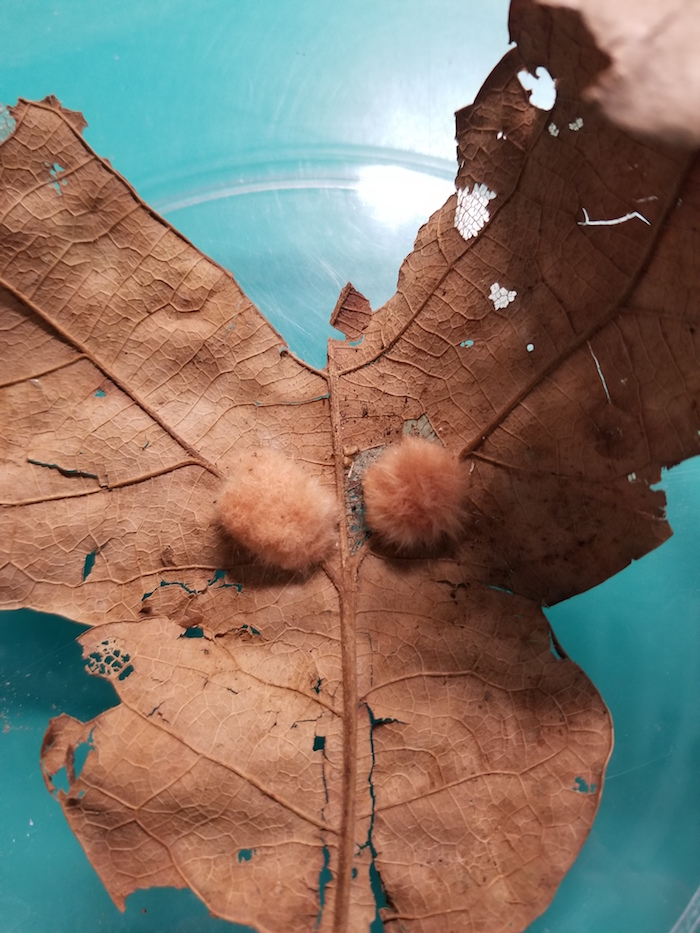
point(346, 596)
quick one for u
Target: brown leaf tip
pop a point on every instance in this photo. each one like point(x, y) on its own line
point(74, 117)
point(278, 511)
point(415, 496)
point(352, 312)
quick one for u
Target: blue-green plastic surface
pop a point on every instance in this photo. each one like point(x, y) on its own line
point(301, 144)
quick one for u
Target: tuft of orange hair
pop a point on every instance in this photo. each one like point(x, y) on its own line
point(280, 513)
point(415, 496)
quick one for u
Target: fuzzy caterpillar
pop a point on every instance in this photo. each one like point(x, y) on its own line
point(278, 511)
point(415, 497)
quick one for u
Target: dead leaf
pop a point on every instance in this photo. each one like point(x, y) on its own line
point(285, 742)
point(647, 79)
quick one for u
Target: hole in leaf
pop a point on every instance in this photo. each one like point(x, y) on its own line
point(60, 781)
point(543, 91)
point(325, 876)
point(380, 898)
point(80, 754)
point(583, 787)
point(89, 564)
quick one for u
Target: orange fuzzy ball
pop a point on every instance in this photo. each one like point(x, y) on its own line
point(414, 496)
point(279, 512)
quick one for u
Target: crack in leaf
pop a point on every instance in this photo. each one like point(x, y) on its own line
point(380, 898)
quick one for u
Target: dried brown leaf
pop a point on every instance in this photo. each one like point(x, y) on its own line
point(281, 737)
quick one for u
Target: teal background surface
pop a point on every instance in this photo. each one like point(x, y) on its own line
point(301, 144)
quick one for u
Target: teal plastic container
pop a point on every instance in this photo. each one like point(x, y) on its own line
point(301, 144)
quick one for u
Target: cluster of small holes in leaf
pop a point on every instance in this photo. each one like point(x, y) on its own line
point(109, 661)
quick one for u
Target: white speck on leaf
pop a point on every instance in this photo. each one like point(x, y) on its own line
point(587, 222)
point(576, 125)
point(500, 296)
point(600, 372)
point(530, 347)
point(472, 213)
point(553, 129)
